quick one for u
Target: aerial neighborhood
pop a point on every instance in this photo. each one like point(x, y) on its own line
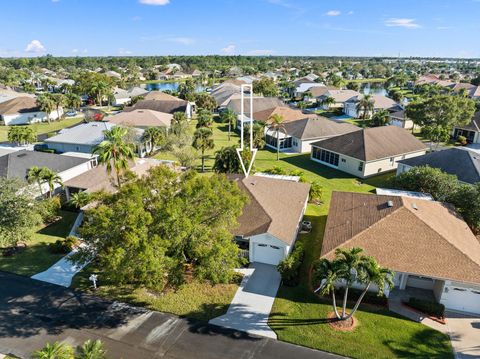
point(307, 202)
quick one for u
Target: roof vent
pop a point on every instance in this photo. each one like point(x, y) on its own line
point(414, 206)
point(390, 204)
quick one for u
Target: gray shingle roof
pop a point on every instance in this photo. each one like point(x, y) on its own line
point(16, 164)
point(373, 143)
point(160, 106)
point(87, 134)
point(463, 163)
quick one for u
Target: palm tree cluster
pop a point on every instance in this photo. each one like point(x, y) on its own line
point(203, 136)
point(42, 175)
point(91, 349)
point(21, 135)
point(349, 267)
point(365, 106)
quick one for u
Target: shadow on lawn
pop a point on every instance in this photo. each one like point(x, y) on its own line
point(420, 345)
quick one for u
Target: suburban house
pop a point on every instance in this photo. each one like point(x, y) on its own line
point(270, 222)
point(84, 137)
point(123, 97)
point(306, 86)
point(369, 151)
point(461, 162)
point(379, 102)
point(319, 91)
point(97, 179)
point(141, 119)
point(340, 97)
point(7, 94)
point(23, 110)
point(400, 233)
point(287, 113)
point(400, 119)
point(163, 102)
point(300, 134)
point(259, 104)
point(16, 165)
point(471, 131)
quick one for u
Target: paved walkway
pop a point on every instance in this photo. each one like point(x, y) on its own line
point(251, 305)
point(464, 333)
point(61, 273)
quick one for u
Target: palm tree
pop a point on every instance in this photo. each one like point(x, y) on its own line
point(228, 116)
point(80, 199)
point(226, 160)
point(54, 351)
point(91, 349)
point(365, 106)
point(328, 101)
point(59, 101)
point(46, 104)
point(35, 175)
point(114, 152)
point(203, 140)
point(73, 101)
point(380, 118)
point(204, 118)
point(155, 135)
point(51, 178)
point(351, 266)
point(258, 135)
point(277, 125)
point(100, 89)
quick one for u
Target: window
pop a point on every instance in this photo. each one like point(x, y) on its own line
point(344, 160)
point(275, 247)
point(325, 156)
point(360, 166)
point(284, 142)
point(261, 245)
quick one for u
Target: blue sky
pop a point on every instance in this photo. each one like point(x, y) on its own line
point(254, 27)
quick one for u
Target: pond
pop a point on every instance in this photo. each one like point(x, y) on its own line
point(375, 88)
point(170, 86)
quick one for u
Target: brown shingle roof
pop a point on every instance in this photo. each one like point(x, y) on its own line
point(288, 114)
point(318, 91)
point(415, 236)
point(320, 127)
point(142, 118)
point(161, 96)
point(373, 143)
point(276, 207)
point(160, 106)
point(21, 104)
point(259, 104)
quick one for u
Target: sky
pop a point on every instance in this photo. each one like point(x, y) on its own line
point(430, 28)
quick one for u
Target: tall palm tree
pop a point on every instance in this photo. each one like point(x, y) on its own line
point(114, 152)
point(204, 118)
point(277, 125)
point(203, 140)
point(328, 101)
point(73, 101)
point(380, 118)
point(100, 89)
point(46, 104)
point(59, 101)
point(228, 116)
point(35, 175)
point(328, 274)
point(54, 351)
point(91, 349)
point(155, 135)
point(365, 106)
point(51, 178)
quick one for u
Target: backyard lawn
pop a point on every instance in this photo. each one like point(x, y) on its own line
point(42, 128)
point(36, 257)
point(196, 300)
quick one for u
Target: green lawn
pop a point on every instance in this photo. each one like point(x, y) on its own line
point(196, 300)
point(42, 128)
point(36, 257)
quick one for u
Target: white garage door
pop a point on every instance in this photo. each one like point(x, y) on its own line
point(463, 299)
point(266, 253)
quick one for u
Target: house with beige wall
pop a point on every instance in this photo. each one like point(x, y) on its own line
point(369, 151)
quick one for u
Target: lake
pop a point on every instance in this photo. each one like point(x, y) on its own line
point(170, 86)
point(375, 88)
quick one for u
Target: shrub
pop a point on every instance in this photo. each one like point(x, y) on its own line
point(428, 307)
point(276, 171)
point(63, 246)
point(462, 140)
point(370, 297)
point(316, 192)
point(49, 209)
point(289, 267)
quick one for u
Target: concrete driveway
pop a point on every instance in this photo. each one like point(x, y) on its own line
point(251, 305)
point(465, 334)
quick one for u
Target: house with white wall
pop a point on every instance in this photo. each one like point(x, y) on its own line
point(426, 243)
point(270, 222)
point(400, 119)
point(23, 110)
point(369, 151)
point(379, 103)
point(299, 135)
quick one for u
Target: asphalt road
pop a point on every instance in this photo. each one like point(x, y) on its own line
point(33, 313)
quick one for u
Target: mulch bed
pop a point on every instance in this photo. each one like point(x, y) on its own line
point(342, 325)
point(435, 319)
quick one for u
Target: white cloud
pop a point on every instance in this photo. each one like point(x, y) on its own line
point(230, 49)
point(350, 12)
point(407, 23)
point(260, 52)
point(35, 46)
point(333, 13)
point(181, 40)
point(136, 18)
point(154, 2)
point(123, 51)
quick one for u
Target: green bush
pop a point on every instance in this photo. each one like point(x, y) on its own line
point(63, 246)
point(289, 267)
point(370, 297)
point(49, 209)
point(428, 307)
point(462, 140)
point(316, 192)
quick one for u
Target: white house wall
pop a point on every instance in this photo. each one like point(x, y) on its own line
point(30, 117)
point(268, 239)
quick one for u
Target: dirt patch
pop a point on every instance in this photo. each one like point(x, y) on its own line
point(343, 325)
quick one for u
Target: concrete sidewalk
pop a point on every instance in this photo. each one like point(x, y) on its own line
point(251, 305)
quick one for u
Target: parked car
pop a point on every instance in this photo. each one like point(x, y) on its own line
point(71, 113)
